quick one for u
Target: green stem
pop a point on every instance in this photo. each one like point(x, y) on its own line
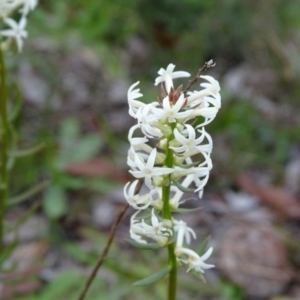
point(166, 213)
point(4, 148)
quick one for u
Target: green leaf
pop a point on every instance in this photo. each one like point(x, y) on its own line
point(78, 254)
point(73, 183)
point(198, 275)
point(69, 130)
point(5, 253)
point(17, 108)
point(151, 246)
point(25, 217)
point(29, 193)
point(27, 152)
point(3, 186)
point(55, 202)
point(182, 188)
point(187, 166)
point(153, 278)
point(187, 210)
point(203, 246)
point(86, 148)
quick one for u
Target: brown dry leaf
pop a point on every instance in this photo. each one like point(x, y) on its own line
point(275, 197)
point(255, 257)
point(97, 168)
point(20, 289)
point(28, 260)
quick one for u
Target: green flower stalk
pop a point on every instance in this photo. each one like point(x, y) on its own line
point(179, 162)
point(4, 147)
point(14, 34)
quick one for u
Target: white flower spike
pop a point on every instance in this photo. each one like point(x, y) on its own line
point(171, 156)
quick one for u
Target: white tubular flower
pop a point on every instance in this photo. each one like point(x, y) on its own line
point(213, 86)
point(183, 232)
point(156, 229)
point(168, 75)
point(6, 7)
point(191, 144)
point(145, 118)
point(175, 201)
point(136, 140)
point(134, 104)
point(135, 200)
point(193, 260)
point(136, 229)
point(148, 170)
point(28, 6)
point(212, 89)
point(17, 31)
point(172, 112)
point(197, 172)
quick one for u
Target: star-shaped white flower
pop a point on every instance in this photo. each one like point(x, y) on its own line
point(136, 140)
point(209, 95)
point(208, 113)
point(193, 260)
point(133, 155)
point(212, 85)
point(6, 7)
point(156, 228)
point(197, 172)
point(168, 75)
point(172, 112)
point(158, 231)
point(145, 120)
point(191, 144)
point(16, 32)
point(136, 229)
point(28, 6)
point(137, 201)
point(183, 232)
point(134, 104)
point(147, 170)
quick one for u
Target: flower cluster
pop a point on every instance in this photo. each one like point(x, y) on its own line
point(16, 31)
point(170, 151)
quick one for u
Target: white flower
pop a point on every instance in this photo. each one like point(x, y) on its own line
point(136, 229)
point(191, 144)
point(183, 232)
point(145, 118)
point(208, 113)
point(135, 140)
point(28, 6)
point(172, 112)
point(148, 170)
point(6, 7)
point(210, 89)
point(213, 86)
point(16, 32)
point(158, 231)
point(132, 95)
point(193, 260)
point(156, 228)
point(135, 200)
point(195, 171)
point(168, 75)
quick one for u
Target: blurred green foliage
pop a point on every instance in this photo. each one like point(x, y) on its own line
point(187, 33)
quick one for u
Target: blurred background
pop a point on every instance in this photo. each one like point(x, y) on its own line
point(78, 62)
